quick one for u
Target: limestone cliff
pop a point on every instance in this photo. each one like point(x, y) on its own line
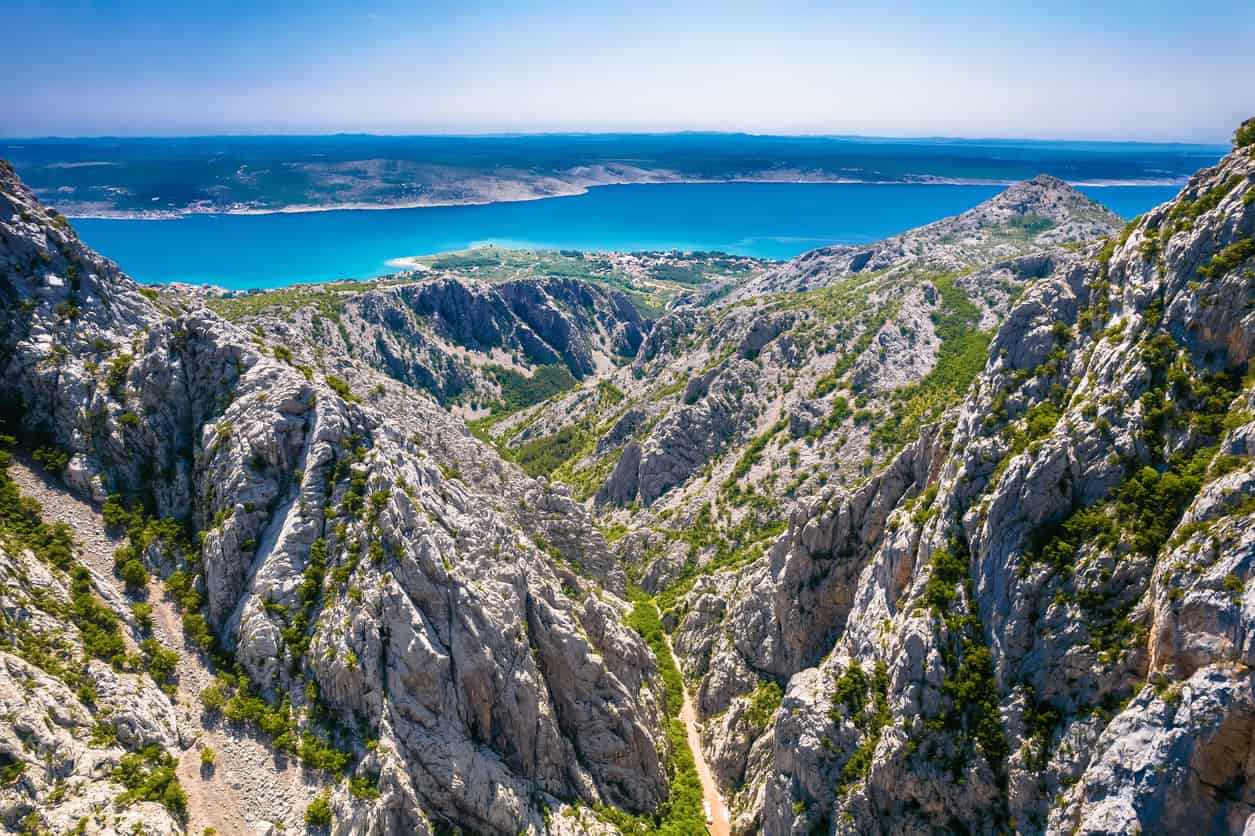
point(380, 593)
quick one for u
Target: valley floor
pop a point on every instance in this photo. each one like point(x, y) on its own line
point(718, 822)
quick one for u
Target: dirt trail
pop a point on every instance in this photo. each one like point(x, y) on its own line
point(717, 819)
point(249, 784)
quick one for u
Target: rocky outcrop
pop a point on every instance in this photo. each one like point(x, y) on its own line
point(368, 562)
point(1050, 612)
point(68, 718)
point(951, 532)
point(1031, 215)
point(713, 413)
point(446, 335)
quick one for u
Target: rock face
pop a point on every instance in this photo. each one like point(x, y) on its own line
point(1030, 215)
point(59, 766)
point(1010, 477)
point(454, 337)
point(1032, 618)
point(950, 533)
point(371, 564)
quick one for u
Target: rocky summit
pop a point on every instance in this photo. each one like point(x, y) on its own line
point(948, 533)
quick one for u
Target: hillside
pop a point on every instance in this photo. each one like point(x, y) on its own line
point(373, 594)
point(951, 532)
point(735, 410)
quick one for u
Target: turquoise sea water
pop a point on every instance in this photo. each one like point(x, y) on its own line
point(770, 220)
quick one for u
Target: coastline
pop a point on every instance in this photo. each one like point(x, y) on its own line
point(580, 189)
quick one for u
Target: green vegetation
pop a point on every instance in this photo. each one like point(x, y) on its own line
point(242, 704)
point(683, 813)
point(149, 775)
point(730, 489)
point(115, 373)
point(969, 717)
point(733, 546)
point(1141, 512)
point(646, 621)
point(51, 459)
point(542, 456)
point(232, 694)
point(1228, 259)
point(341, 387)
point(518, 391)
point(669, 274)
point(834, 419)
point(851, 698)
point(764, 702)
point(1244, 136)
point(1186, 211)
point(364, 786)
point(21, 525)
point(327, 300)
point(961, 357)
point(318, 813)
point(1029, 226)
point(11, 772)
point(160, 661)
point(554, 456)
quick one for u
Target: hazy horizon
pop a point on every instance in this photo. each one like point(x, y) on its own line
point(1153, 72)
point(1224, 143)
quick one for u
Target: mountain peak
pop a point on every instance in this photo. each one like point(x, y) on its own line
point(1033, 214)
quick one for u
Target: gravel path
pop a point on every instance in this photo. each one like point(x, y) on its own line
point(717, 820)
point(250, 786)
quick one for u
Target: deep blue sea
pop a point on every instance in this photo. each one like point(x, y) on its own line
point(770, 220)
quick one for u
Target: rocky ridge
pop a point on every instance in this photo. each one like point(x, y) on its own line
point(955, 542)
point(846, 671)
point(1030, 619)
point(1032, 215)
point(362, 568)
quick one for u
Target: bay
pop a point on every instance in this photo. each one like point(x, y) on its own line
point(767, 220)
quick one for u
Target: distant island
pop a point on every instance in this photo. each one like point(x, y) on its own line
point(167, 177)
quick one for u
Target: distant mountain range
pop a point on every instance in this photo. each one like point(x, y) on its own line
point(161, 177)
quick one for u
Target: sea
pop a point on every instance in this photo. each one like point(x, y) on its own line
point(767, 220)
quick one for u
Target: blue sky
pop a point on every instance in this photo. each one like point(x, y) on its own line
point(1085, 70)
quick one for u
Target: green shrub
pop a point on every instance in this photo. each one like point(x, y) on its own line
point(764, 702)
point(851, 694)
point(116, 371)
point(10, 773)
point(963, 353)
point(341, 388)
point(1245, 134)
point(542, 456)
point(52, 459)
point(1228, 258)
point(143, 613)
point(160, 661)
point(364, 786)
point(318, 813)
point(134, 573)
point(149, 775)
point(213, 698)
point(646, 621)
point(519, 391)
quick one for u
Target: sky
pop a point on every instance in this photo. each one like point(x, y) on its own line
point(1100, 69)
